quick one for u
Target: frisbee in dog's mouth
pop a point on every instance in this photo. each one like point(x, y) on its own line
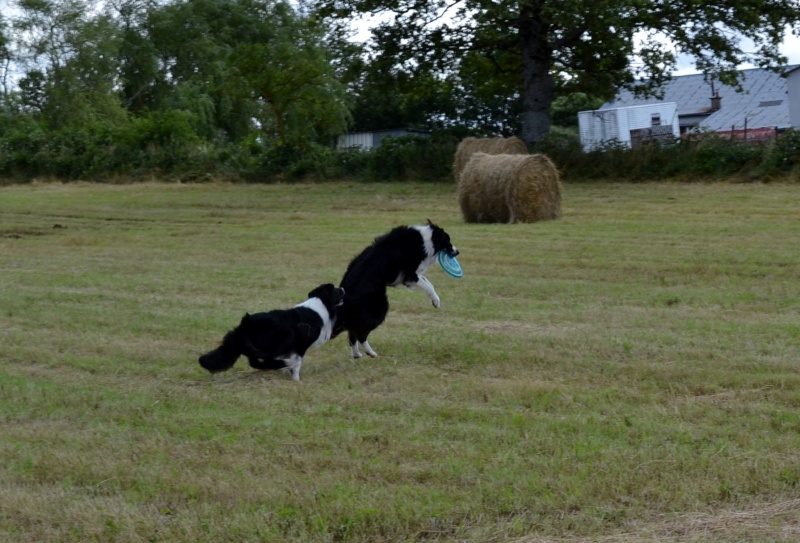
point(450, 265)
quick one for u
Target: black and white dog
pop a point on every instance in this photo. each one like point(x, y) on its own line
point(399, 257)
point(280, 338)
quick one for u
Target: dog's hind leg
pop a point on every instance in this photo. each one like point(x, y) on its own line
point(362, 338)
point(368, 349)
point(351, 337)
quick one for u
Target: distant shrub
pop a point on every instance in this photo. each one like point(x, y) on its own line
point(698, 156)
point(412, 158)
point(166, 144)
point(710, 155)
point(784, 154)
point(21, 138)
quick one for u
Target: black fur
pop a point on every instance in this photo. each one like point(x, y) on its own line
point(396, 258)
point(277, 339)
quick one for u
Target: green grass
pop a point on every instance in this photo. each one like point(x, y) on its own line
point(628, 373)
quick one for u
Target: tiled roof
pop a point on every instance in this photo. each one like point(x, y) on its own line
point(764, 101)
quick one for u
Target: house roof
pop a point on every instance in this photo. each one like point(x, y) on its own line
point(764, 101)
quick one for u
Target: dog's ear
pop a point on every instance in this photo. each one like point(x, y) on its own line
point(436, 229)
point(322, 290)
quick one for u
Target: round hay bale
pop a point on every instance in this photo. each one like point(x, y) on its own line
point(482, 190)
point(509, 189)
point(490, 146)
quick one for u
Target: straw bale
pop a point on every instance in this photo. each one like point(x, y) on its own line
point(490, 146)
point(509, 189)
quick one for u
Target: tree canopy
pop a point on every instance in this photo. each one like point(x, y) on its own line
point(537, 49)
point(231, 68)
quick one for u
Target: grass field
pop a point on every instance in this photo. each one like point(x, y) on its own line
point(628, 373)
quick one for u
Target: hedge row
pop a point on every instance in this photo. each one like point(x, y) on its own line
point(168, 149)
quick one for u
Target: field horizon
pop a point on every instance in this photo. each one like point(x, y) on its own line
point(628, 373)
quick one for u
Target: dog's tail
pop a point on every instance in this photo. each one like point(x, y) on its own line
point(225, 356)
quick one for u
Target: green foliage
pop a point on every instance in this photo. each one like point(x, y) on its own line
point(716, 156)
point(21, 137)
point(397, 159)
point(412, 157)
point(249, 89)
point(784, 154)
point(566, 107)
point(698, 157)
point(543, 49)
point(133, 86)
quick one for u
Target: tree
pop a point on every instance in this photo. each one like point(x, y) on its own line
point(5, 62)
point(69, 60)
point(239, 66)
point(566, 46)
point(290, 79)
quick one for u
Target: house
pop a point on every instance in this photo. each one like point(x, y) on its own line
point(630, 125)
point(372, 140)
point(769, 103)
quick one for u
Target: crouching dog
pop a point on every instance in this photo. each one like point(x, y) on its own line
point(279, 338)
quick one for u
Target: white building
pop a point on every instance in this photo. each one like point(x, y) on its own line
point(372, 140)
point(629, 125)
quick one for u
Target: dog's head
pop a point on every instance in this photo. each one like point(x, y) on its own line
point(441, 240)
point(330, 295)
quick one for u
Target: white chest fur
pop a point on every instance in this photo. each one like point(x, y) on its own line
point(427, 242)
point(316, 305)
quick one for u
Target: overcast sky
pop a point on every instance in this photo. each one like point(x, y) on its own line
point(790, 49)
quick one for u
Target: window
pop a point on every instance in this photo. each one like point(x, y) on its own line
point(655, 119)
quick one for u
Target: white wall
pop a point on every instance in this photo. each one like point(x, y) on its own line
point(793, 81)
point(362, 140)
point(605, 125)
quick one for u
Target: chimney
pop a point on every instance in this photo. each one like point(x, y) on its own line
point(716, 102)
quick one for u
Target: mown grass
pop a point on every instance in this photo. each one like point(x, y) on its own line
point(628, 373)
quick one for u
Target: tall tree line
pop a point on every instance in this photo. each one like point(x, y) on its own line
point(223, 70)
point(123, 84)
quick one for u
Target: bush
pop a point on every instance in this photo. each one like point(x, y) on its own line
point(166, 144)
point(411, 158)
point(700, 156)
point(713, 156)
point(21, 139)
point(784, 154)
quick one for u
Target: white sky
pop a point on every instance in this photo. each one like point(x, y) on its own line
point(790, 49)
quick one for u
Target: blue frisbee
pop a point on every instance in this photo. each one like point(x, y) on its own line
point(450, 265)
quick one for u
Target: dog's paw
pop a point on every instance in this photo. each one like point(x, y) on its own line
point(437, 303)
point(369, 350)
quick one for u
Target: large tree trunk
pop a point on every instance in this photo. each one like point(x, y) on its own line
point(538, 86)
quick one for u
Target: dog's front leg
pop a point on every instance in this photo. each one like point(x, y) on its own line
point(293, 363)
point(423, 285)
